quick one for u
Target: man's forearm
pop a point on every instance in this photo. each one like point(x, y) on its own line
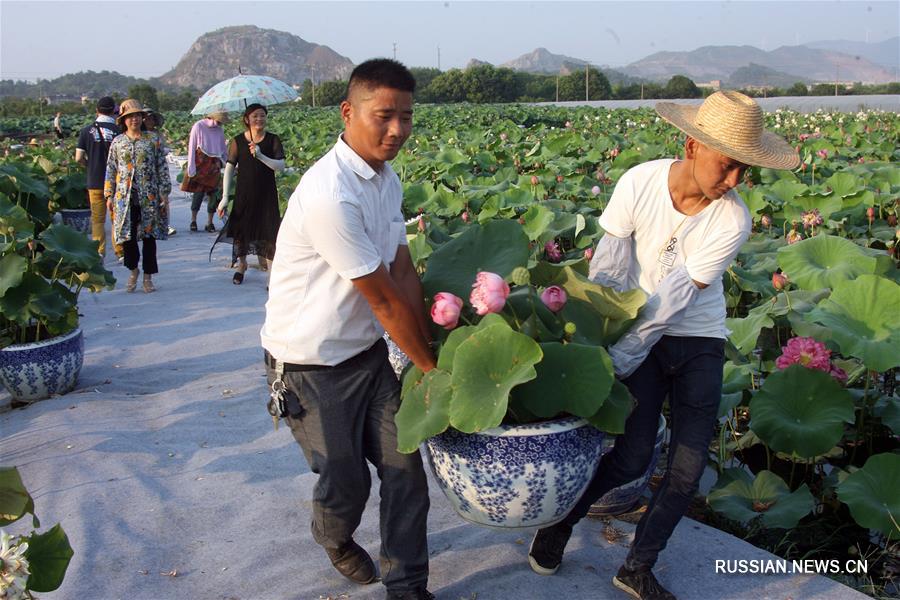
point(411, 286)
point(399, 320)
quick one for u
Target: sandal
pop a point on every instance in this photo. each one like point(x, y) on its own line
point(238, 278)
point(148, 285)
point(193, 225)
point(210, 228)
point(132, 281)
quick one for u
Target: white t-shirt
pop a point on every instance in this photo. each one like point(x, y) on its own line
point(663, 238)
point(342, 222)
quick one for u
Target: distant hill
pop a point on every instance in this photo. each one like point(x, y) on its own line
point(542, 60)
point(73, 85)
point(753, 74)
point(219, 54)
point(474, 62)
point(719, 62)
point(885, 54)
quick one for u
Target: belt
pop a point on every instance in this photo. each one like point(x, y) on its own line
point(293, 367)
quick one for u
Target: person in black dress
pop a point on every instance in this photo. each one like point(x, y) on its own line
point(254, 219)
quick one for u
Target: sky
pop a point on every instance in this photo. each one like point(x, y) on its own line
point(47, 39)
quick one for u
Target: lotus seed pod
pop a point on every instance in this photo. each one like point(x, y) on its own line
point(521, 276)
point(570, 328)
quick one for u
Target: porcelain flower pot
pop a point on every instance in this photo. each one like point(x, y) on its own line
point(516, 476)
point(38, 370)
point(78, 219)
point(621, 499)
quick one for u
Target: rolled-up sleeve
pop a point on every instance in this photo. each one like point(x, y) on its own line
point(336, 230)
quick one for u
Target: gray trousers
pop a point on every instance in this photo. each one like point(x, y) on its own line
point(348, 419)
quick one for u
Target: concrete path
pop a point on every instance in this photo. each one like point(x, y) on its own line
point(164, 470)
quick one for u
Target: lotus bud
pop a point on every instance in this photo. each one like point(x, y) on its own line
point(535, 180)
point(465, 216)
point(445, 310)
point(521, 276)
point(559, 179)
point(779, 281)
point(870, 214)
point(588, 254)
point(595, 190)
point(554, 298)
point(823, 154)
point(421, 224)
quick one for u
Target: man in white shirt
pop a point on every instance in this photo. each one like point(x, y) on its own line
point(672, 228)
point(341, 276)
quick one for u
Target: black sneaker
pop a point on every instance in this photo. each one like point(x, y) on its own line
point(419, 594)
point(353, 562)
point(547, 547)
point(641, 584)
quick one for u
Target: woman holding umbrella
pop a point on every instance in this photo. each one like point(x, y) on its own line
point(253, 223)
point(137, 189)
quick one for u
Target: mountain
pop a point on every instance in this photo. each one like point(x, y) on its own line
point(474, 62)
point(719, 62)
point(219, 54)
point(753, 73)
point(542, 60)
point(885, 54)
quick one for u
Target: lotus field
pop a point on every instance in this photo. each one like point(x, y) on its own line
point(806, 460)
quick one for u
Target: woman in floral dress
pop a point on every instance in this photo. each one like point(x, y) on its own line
point(137, 189)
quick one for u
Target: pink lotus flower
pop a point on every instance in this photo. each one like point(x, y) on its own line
point(489, 293)
point(614, 152)
point(551, 249)
point(554, 298)
point(589, 254)
point(838, 373)
point(805, 136)
point(811, 218)
point(595, 190)
point(568, 124)
point(807, 352)
point(465, 216)
point(823, 154)
point(779, 281)
point(445, 310)
point(559, 179)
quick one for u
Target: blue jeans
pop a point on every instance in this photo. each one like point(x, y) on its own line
point(687, 370)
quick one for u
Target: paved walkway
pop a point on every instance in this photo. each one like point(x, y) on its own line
point(164, 470)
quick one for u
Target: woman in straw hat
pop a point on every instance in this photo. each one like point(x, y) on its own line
point(136, 190)
point(672, 228)
point(206, 156)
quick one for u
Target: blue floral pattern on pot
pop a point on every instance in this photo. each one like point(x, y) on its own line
point(516, 476)
point(78, 219)
point(619, 500)
point(36, 371)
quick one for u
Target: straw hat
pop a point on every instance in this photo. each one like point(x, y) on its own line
point(129, 107)
point(732, 123)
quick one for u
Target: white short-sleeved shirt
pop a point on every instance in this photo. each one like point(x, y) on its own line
point(342, 222)
point(663, 238)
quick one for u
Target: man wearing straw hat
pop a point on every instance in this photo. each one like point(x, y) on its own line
point(672, 228)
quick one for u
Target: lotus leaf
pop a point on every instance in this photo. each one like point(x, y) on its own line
point(48, 556)
point(613, 414)
point(580, 376)
point(497, 246)
point(743, 498)
point(800, 411)
point(486, 366)
point(745, 332)
point(873, 494)
point(425, 410)
point(862, 317)
point(15, 501)
point(823, 261)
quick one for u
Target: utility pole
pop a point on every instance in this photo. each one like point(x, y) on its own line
point(642, 91)
point(313, 80)
point(557, 87)
point(586, 81)
point(395, 50)
point(837, 70)
point(439, 58)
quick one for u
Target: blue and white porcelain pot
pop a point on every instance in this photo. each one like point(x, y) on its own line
point(619, 500)
point(78, 219)
point(516, 476)
point(38, 370)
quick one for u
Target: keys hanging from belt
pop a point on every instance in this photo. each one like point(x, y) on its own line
point(282, 402)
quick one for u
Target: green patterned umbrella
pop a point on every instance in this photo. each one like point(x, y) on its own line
point(235, 94)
